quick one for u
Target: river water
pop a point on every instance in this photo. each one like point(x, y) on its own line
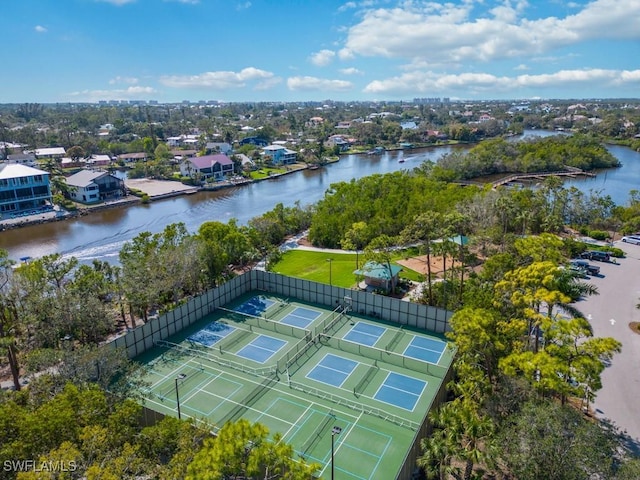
point(100, 235)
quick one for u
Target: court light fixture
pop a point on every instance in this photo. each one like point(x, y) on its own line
point(334, 431)
point(181, 376)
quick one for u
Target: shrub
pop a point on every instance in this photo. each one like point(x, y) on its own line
point(599, 234)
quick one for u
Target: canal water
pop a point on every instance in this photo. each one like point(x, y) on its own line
point(101, 234)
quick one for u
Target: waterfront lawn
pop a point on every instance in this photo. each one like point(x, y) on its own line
point(266, 172)
point(315, 266)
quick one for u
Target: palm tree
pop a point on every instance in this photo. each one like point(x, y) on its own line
point(461, 433)
point(425, 228)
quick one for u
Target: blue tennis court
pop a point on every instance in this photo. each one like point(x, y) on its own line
point(255, 306)
point(400, 391)
point(425, 349)
point(301, 317)
point(211, 334)
point(261, 349)
point(365, 334)
point(332, 370)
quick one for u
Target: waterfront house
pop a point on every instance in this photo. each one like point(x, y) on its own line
point(378, 276)
point(23, 189)
point(99, 160)
point(88, 187)
point(216, 166)
point(133, 157)
point(279, 154)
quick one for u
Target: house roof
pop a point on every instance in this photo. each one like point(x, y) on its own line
point(50, 151)
point(84, 178)
point(133, 155)
point(458, 239)
point(378, 270)
point(207, 161)
point(17, 170)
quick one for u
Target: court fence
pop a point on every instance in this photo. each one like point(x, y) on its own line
point(409, 314)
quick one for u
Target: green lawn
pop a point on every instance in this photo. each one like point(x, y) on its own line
point(315, 266)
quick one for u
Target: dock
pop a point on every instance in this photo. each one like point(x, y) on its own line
point(572, 173)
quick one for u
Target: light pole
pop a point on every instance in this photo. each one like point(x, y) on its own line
point(330, 260)
point(334, 431)
point(182, 376)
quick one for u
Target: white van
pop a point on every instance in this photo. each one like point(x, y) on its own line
point(631, 239)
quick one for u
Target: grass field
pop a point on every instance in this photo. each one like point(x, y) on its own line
point(315, 266)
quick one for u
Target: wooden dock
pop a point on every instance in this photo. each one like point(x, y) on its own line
point(572, 173)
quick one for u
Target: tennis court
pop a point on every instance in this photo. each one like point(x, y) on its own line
point(427, 349)
point(365, 333)
point(301, 370)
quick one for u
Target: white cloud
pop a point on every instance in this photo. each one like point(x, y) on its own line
point(449, 32)
point(351, 71)
point(522, 66)
point(217, 80)
point(322, 58)
point(131, 93)
point(123, 80)
point(40, 29)
point(243, 6)
point(318, 84)
point(488, 84)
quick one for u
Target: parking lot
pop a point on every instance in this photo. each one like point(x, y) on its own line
point(610, 313)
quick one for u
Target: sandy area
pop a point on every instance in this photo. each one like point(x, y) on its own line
point(158, 188)
point(419, 264)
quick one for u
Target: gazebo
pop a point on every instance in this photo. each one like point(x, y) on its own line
point(379, 276)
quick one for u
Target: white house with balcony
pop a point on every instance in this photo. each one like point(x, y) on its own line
point(279, 154)
point(23, 189)
point(92, 187)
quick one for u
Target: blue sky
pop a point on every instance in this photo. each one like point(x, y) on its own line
point(295, 50)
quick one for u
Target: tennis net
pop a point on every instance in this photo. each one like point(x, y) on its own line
point(249, 401)
point(318, 433)
point(264, 323)
point(200, 352)
point(384, 356)
point(356, 406)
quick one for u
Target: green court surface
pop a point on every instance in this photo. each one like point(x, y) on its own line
point(301, 370)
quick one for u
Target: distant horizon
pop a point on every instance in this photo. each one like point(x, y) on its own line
point(153, 102)
point(248, 51)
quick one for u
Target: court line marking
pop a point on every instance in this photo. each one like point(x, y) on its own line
point(416, 346)
point(322, 381)
point(283, 393)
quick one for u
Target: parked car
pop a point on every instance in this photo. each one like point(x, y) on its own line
point(631, 239)
point(585, 267)
point(596, 255)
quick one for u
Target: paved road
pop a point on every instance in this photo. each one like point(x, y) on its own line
point(610, 314)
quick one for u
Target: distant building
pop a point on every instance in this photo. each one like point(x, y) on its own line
point(257, 141)
point(219, 147)
point(133, 157)
point(53, 152)
point(23, 189)
point(93, 187)
point(28, 159)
